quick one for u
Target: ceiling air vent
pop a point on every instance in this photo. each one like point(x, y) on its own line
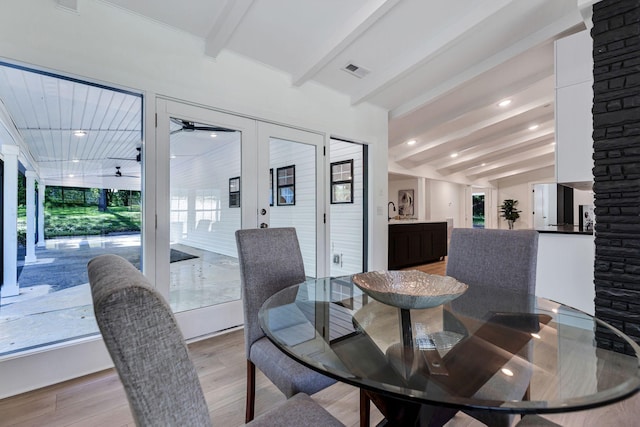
point(359, 72)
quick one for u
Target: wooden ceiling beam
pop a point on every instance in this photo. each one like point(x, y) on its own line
point(225, 26)
point(550, 31)
point(343, 38)
point(426, 50)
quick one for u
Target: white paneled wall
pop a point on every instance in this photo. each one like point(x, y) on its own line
point(346, 219)
point(302, 215)
point(200, 212)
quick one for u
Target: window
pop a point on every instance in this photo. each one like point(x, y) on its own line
point(234, 192)
point(286, 180)
point(342, 182)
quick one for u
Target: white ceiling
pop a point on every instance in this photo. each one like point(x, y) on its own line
point(439, 67)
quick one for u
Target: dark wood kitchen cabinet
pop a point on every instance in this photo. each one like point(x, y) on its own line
point(416, 243)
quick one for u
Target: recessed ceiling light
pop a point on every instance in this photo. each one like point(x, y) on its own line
point(71, 175)
point(534, 127)
point(454, 155)
point(553, 143)
point(75, 161)
point(213, 135)
point(80, 133)
point(504, 103)
point(173, 156)
point(411, 142)
point(483, 164)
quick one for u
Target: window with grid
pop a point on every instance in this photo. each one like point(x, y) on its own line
point(342, 182)
point(234, 192)
point(286, 183)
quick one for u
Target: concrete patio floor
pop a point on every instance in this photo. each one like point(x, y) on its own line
point(55, 305)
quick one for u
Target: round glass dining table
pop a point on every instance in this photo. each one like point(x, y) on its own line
point(489, 349)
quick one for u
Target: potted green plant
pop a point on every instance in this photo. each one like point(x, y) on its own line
point(510, 212)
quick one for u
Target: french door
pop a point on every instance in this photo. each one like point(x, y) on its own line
point(217, 173)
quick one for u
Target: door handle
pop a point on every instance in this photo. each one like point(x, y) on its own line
point(264, 225)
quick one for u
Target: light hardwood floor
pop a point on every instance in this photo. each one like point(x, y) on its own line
point(99, 399)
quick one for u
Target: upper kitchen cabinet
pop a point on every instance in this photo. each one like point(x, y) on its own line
point(574, 100)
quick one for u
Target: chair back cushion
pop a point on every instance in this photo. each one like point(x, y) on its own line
point(146, 345)
point(270, 260)
point(499, 258)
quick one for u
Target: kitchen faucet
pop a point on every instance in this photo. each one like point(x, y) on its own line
point(394, 209)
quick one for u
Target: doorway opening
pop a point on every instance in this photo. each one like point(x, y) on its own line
point(348, 207)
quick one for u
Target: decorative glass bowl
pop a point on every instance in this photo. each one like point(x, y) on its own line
point(410, 289)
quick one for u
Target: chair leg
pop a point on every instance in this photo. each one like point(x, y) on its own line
point(251, 391)
point(365, 406)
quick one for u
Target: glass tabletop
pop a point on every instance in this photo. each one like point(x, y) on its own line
point(488, 349)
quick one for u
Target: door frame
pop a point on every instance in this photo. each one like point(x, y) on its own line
point(254, 154)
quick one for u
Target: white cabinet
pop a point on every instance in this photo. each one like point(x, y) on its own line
point(574, 127)
point(574, 100)
point(574, 63)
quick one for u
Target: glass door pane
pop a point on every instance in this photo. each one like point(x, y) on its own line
point(290, 167)
point(204, 191)
point(205, 211)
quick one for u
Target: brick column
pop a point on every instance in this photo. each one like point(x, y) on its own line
point(616, 145)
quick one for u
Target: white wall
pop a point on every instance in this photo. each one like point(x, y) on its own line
point(200, 196)
point(519, 188)
point(396, 185)
point(107, 44)
point(446, 200)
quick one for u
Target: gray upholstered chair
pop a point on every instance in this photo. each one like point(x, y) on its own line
point(497, 258)
point(152, 360)
point(270, 260)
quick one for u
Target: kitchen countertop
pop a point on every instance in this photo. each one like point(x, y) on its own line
point(413, 221)
point(564, 229)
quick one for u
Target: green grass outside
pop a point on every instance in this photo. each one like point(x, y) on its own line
point(478, 220)
point(84, 221)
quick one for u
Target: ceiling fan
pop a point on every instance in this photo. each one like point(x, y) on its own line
point(187, 126)
point(137, 158)
point(119, 174)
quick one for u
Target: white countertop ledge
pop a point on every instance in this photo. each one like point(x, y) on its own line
point(413, 221)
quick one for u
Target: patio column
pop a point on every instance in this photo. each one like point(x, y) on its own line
point(41, 188)
point(10, 221)
point(31, 216)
